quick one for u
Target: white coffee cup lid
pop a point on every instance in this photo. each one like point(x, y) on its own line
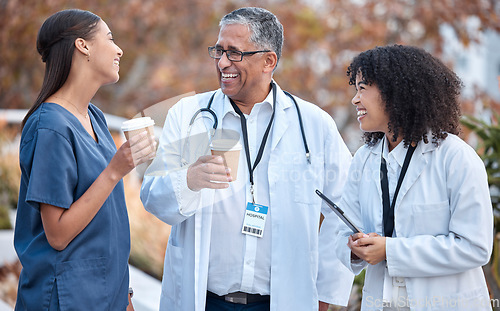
point(137, 123)
point(225, 144)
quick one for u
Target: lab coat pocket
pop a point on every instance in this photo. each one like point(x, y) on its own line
point(172, 275)
point(431, 218)
point(469, 299)
point(81, 284)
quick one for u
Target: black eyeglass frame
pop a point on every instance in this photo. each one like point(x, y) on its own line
point(212, 49)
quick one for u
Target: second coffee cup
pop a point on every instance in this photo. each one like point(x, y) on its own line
point(229, 150)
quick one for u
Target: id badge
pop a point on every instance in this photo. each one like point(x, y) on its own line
point(255, 220)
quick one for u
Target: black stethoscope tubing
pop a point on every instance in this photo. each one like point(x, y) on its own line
point(306, 147)
point(209, 110)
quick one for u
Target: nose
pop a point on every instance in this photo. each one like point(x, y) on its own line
point(120, 51)
point(355, 99)
point(223, 61)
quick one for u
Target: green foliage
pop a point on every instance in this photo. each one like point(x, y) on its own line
point(360, 280)
point(9, 187)
point(489, 150)
point(495, 262)
point(9, 175)
point(146, 265)
point(4, 218)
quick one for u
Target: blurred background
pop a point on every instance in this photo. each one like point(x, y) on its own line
point(165, 56)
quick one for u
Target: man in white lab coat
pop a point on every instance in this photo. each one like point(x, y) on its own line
point(250, 243)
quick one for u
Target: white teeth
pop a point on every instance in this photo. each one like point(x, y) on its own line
point(361, 112)
point(228, 75)
point(117, 63)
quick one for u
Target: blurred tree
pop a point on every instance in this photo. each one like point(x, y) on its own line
point(165, 43)
point(489, 134)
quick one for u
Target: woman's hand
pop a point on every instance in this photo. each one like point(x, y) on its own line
point(130, 307)
point(137, 150)
point(370, 248)
point(355, 237)
point(323, 306)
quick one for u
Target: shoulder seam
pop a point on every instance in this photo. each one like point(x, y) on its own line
point(48, 129)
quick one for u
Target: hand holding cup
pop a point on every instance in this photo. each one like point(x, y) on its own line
point(138, 149)
point(140, 135)
point(208, 172)
point(229, 150)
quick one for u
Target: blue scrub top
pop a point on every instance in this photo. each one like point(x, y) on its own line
point(59, 161)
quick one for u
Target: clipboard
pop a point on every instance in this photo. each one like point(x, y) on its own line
point(339, 212)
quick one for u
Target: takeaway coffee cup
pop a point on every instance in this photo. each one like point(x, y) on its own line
point(135, 126)
point(229, 149)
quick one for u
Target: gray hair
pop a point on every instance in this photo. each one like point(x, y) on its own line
point(266, 30)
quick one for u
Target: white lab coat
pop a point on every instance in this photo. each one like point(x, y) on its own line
point(443, 221)
point(296, 208)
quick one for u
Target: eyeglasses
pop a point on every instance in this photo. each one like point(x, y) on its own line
point(234, 56)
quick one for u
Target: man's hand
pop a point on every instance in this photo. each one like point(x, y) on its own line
point(208, 172)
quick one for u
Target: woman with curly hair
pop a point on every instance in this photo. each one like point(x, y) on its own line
point(417, 191)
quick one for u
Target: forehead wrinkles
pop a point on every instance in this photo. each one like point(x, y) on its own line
point(235, 36)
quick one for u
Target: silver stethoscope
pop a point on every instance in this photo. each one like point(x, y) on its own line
point(216, 122)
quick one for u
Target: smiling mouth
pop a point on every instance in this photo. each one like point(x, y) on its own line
point(361, 113)
point(117, 63)
point(228, 76)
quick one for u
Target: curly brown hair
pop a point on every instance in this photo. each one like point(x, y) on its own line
point(420, 93)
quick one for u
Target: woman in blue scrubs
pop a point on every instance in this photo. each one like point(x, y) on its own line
point(72, 231)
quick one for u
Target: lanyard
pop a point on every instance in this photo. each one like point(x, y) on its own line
point(245, 139)
point(384, 182)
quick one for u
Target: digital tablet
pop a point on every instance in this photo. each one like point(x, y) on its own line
point(339, 212)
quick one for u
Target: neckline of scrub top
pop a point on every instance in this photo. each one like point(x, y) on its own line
point(79, 124)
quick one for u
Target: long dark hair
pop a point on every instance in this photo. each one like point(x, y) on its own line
point(56, 44)
point(420, 93)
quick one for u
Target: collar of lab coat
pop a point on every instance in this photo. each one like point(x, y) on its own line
point(417, 165)
point(421, 148)
point(228, 108)
point(280, 123)
point(399, 152)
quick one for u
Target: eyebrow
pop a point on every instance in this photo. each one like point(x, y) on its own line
point(361, 82)
point(110, 33)
point(230, 48)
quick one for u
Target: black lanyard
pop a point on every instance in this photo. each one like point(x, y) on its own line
point(384, 182)
point(245, 138)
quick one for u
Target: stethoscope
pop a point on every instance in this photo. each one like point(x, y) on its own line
point(215, 121)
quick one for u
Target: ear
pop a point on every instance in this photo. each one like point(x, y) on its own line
point(82, 46)
point(270, 61)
